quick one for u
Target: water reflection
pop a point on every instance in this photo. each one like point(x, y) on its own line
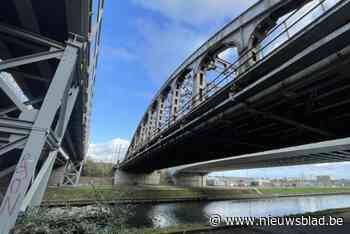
point(165, 215)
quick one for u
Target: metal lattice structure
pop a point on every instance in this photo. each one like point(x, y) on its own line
point(49, 53)
point(263, 100)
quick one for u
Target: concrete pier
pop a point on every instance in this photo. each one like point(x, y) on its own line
point(57, 176)
point(124, 178)
point(191, 180)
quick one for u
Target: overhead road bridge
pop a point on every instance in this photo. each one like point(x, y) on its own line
point(321, 152)
point(285, 84)
point(48, 56)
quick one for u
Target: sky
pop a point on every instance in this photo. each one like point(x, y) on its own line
point(143, 41)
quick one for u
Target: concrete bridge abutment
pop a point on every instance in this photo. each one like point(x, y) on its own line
point(57, 176)
point(191, 180)
point(126, 178)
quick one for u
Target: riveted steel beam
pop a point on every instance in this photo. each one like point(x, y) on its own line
point(5, 87)
point(33, 58)
point(12, 145)
point(7, 171)
point(15, 126)
point(32, 37)
point(290, 122)
point(17, 72)
point(14, 107)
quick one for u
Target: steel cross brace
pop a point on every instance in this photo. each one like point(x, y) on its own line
point(33, 58)
point(72, 173)
point(14, 107)
point(11, 93)
point(15, 126)
point(12, 145)
point(36, 192)
point(23, 174)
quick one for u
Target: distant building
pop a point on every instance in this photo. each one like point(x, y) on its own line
point(288, 183)
point(261, 183)
point(324, 180)
point(234, 182)
point(225, 181)
point(216, 182)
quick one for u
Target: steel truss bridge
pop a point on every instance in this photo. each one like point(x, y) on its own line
point(287, 86)
point(48, 56)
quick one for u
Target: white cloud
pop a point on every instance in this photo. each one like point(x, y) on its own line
point(167, 43)
point(120, 53)
point(196, 12)
point(109, 152)
point(165, 47)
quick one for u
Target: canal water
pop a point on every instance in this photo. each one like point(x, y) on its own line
point(170, 214)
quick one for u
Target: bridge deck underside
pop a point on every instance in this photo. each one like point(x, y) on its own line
point(321, 152)
point(313, 108)
point(275, 122)
point(53, 20)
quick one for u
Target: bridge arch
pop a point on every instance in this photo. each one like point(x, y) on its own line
point(188, 85)
point(216, 62)
point(233, 35)
point(283, 23)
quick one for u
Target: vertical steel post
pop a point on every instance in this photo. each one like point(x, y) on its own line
point(175, 100)
point(199, 85)
point(160, 113)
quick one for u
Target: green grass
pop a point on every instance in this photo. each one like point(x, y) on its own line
point(303, 190)
point(109, 193)
point(142, 193)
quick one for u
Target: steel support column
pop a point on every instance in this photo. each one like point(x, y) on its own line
point(31, 153)
point(36, 192)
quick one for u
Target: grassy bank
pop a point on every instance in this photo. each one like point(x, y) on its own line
point(42, 222)
point(165, 193)
point(303, 190)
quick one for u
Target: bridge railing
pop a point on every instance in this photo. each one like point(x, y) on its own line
point(290, 26)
